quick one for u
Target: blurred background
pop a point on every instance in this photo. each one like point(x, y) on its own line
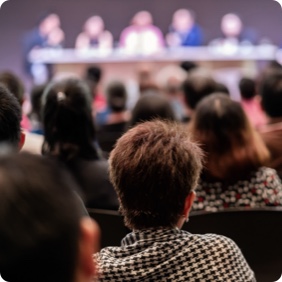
point(17, 17)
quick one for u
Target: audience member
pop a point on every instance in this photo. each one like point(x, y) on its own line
point(142, 82)
point(183, 30)
point(71, 138)
point(10, 118)
point(155, 168)
point(45, 233)
point(145, 79)
point(94, 35)
point(198, 85)
point(93, 77)
point(16, 87)
point(188, 66)
point(32, 143)
point(151, 106)
point(235, 174)
point(170, 79)
point(271, 95)
point(36, 109)
point(117, 117)
point(251, 102)
point(222, 88)
point(134, 39)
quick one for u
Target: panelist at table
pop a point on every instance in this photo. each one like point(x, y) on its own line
point(94, 35)
point(142, 37)
point(184, 31)
point(234, 32)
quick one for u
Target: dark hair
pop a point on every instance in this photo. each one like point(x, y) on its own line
point(271, 94)
point(153, 167)
point(222, 88)
point(39, 220)
point(44, 15)
point(116, 96)
point(232, 145)
point(146, 80)
point(197, 86)
point(68, 123)
point(188, 66)
point(94, 74)
point(274, 65)
point(10, 117)
point(36, 101)
point(14, 84)
point(247, 88)
point(151, 106)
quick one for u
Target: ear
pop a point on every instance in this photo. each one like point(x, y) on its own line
point(189, 203)
point(88, 245)
point(22, 140)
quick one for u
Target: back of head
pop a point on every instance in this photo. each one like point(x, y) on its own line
point(152, 106)
point(153, 167)
point(222, 88)
point(67, 118)
point(198, 85)
point(146, 79)
point(188, 66)
point(93, 77)
point(271, 94)
point(36, 100)
point(247, 88)
point(116, 96)
point(231, 143)
point(271, 68)
point(170, 79)
point(10, 118)
point(274, 65)
point(39, 220)
point(94, 74)
point(14, 84)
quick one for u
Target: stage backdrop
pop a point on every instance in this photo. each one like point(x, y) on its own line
point(19, 16)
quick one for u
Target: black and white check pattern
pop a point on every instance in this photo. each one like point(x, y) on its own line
point(173, 255)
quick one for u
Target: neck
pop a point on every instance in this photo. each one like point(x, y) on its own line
point(180, 222)
point(80, 277)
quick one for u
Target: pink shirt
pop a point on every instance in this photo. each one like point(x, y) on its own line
point(25, 123)
point(254, 111)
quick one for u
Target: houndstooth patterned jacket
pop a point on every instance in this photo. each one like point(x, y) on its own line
point(173, 255)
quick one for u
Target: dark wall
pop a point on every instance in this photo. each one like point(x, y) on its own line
point(19, 16)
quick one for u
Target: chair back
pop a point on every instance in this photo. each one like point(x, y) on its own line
point(111, 225)
point(257, 232)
